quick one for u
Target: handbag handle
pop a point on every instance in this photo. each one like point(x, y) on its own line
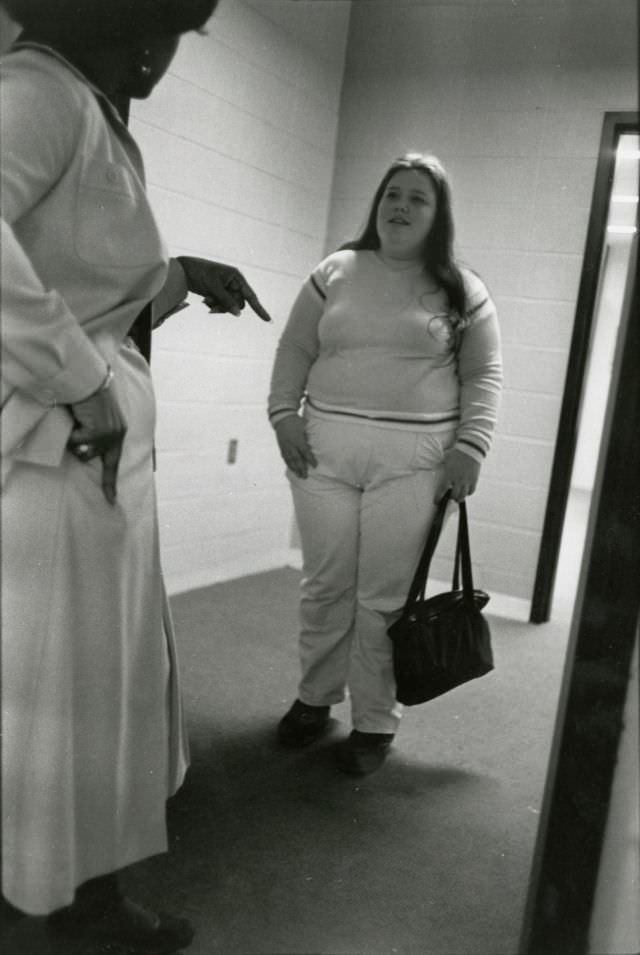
point(462, 562)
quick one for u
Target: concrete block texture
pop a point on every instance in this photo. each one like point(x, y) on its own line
point(263, 147)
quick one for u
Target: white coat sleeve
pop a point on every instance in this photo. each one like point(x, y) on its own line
point(46, 353)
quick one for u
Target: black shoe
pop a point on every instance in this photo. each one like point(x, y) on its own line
point(137, 930)
point(303, 724)
point(363, 753)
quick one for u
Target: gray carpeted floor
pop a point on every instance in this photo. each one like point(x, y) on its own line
point(277, 853)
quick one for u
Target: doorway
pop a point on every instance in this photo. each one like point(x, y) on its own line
point(607, 260)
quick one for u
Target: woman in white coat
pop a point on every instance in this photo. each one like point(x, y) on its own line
point(93, 740)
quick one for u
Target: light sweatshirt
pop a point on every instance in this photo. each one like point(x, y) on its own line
point(367, 340)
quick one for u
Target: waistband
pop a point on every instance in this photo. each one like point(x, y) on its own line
point(437, 424)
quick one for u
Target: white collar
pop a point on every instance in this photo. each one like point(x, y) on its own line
point(51, 51)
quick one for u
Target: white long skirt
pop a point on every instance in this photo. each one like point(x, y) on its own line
point(93, 740)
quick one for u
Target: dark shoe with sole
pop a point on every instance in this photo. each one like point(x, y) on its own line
point(363, 753)
point(137, 930)
point(303, 724)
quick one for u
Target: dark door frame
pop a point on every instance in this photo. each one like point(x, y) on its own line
point(604, 632)
point(614, 125)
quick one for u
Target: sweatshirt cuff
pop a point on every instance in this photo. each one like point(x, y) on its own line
point(470, 449)
point(275, 417)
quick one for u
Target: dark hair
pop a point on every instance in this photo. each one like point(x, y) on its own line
point(105, 22)
point(438, 248)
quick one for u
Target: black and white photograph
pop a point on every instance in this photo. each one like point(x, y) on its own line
point(320, 509)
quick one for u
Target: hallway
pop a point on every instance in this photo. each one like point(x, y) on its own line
point(276, 853)
point(261, 149)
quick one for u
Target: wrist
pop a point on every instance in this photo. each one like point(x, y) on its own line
point(469, 451)
point(184, 261)
point(190, 267)
point(108, 379)
point(104, 386)
point(277, 416)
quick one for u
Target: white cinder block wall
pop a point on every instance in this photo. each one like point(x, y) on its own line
point(511, 97)
point(238, 141)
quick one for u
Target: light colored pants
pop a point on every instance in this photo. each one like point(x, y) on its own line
point(363, 515)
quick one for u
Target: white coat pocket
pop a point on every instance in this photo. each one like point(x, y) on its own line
point(113, 224)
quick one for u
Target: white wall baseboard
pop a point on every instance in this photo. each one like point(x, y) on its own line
point(501, 605)
point(241, 567)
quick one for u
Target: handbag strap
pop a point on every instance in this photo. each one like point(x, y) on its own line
point(463, 556)
point(462, 562)
point(422, 570)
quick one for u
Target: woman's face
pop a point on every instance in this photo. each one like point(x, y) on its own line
point(405, 214)
point(149, 62)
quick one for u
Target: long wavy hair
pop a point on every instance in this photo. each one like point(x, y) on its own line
point(437, 253)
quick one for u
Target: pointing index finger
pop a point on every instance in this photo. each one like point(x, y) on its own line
point(254, 302)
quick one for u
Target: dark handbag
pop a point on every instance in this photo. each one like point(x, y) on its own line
point(444, 641)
